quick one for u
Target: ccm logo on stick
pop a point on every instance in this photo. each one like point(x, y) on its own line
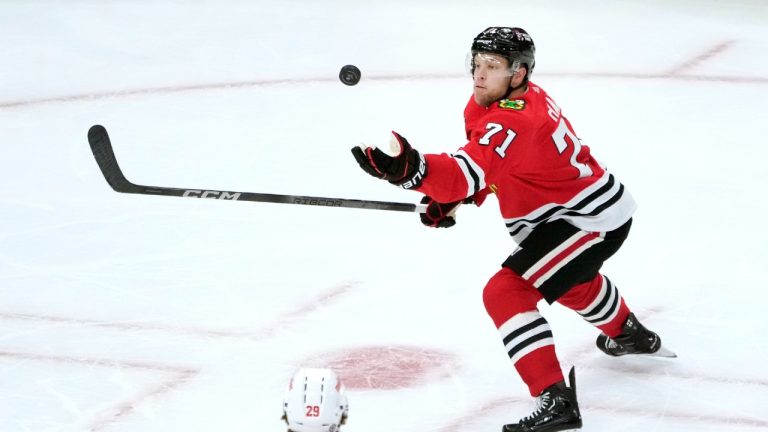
point(212, 194)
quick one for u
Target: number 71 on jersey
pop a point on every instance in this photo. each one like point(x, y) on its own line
point(558, 138)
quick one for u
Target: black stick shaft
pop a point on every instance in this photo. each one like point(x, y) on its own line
point(101, 146)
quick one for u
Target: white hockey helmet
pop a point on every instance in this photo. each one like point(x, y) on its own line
point(315, 401)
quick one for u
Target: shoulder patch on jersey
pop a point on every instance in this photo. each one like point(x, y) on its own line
point(515, 104)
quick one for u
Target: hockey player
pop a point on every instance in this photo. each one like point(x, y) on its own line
point(565, 211)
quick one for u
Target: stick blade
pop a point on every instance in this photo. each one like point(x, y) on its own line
point(101, 147)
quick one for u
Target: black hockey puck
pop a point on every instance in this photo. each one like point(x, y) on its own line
point(349, 75)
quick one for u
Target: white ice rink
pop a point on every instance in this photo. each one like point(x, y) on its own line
point(154, 314)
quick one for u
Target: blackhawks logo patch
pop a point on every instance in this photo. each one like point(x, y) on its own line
point(515, 104)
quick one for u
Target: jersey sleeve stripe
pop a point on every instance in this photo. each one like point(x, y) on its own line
point(474, 174)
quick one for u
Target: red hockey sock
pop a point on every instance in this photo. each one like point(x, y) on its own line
point(540, 369)
point(599, 303)
point(527, 337)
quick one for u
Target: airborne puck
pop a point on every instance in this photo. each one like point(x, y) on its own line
point(349, 75)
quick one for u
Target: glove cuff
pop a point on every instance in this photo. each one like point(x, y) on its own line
point(415, 173)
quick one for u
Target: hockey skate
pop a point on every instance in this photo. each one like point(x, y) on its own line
point(556, 410)
point(634, 339)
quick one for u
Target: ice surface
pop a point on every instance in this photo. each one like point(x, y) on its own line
point(137, 313)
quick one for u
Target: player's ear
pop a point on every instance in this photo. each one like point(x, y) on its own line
point(519, 76)
point(521, 72)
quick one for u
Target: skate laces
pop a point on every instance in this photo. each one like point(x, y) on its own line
point(542, 403)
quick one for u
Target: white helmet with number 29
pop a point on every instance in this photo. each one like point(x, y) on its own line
point(315, 401)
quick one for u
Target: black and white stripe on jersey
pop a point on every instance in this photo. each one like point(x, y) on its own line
point(605, 306)
point(608, 191)
point(473, 173)
point(524, 333)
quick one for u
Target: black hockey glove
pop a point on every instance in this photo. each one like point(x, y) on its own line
point(407, 169)
point(439, 215)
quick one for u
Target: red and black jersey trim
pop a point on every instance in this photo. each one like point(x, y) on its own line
point(472, 173)
point(516, 226)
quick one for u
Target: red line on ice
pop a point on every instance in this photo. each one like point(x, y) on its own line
point(673, 74)
point(112, 415)
point(321, 300)
point(700, 58)
point(94, 361)
point(179, 375)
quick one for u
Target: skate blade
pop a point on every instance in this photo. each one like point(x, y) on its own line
point(663, 352)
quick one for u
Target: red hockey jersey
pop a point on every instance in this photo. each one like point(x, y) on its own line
point(526, 152)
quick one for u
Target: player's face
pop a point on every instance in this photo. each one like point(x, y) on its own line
point(491, 78)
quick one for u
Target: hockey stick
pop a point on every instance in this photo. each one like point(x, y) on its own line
point(101, 146)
